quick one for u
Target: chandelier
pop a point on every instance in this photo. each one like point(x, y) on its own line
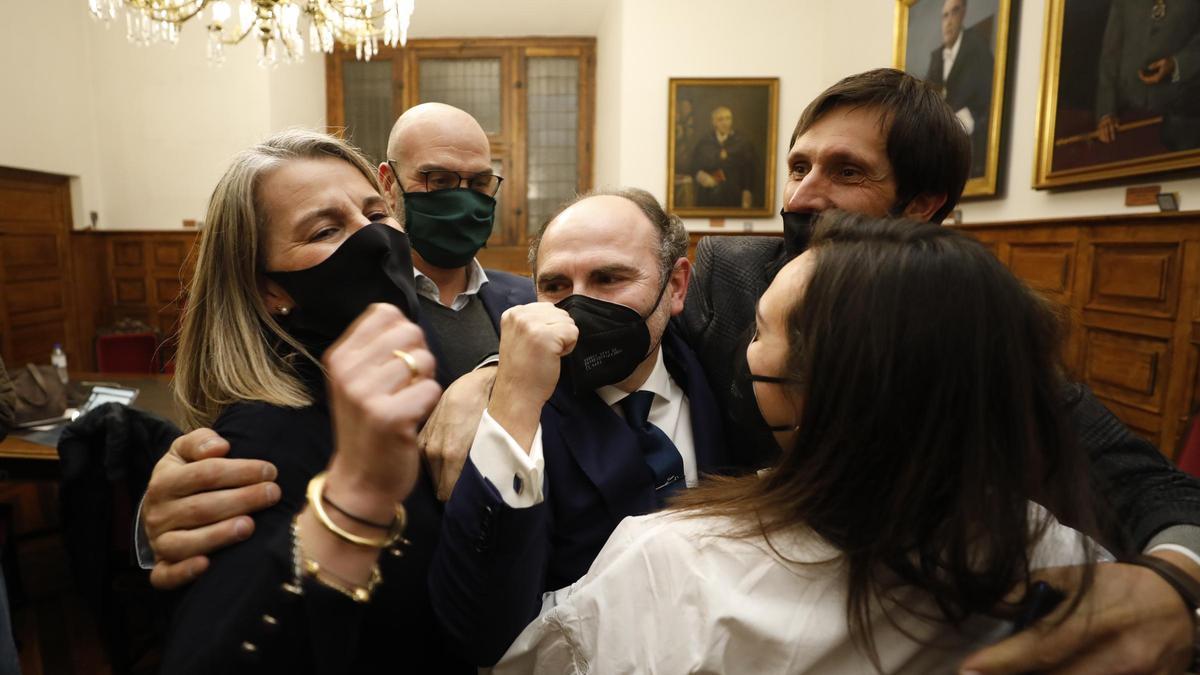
point(275, 24)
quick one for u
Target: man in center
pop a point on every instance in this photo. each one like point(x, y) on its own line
point(598, 412)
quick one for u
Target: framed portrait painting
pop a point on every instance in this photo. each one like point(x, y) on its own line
point(961, 48)
point(721, 147)
point(1120, 92)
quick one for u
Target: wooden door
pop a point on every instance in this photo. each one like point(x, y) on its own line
point(36, 308)
point(534, 97)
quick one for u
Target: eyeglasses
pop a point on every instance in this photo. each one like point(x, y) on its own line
point(438, 179)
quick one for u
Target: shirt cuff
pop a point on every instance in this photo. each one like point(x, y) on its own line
point(1182, 539)
point(517, 475)
point(489, 360)
point(967, 119)
point(141, 546)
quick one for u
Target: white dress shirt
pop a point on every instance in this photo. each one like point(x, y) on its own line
point(949, 54)
point(670, 594)
point(518, 475)
point(427, 289)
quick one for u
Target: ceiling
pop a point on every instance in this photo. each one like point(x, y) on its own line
point(506, 18)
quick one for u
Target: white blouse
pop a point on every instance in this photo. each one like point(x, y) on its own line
point(669, 595)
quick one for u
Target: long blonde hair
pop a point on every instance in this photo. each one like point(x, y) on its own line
point(227, 340)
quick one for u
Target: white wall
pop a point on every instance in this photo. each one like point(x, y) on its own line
point(693, 38)
point(48, 118)
point(610, 68)
point(145, 132)
point(868, 25)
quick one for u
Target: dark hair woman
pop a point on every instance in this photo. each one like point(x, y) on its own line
point(913, 384)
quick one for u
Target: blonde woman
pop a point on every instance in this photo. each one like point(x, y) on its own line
point(301, 248)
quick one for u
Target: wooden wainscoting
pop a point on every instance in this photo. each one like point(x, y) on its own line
point(1130, 286)
point(131, 275)
point(1130, 289)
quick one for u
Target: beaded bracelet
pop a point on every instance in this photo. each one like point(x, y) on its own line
point(306, 566)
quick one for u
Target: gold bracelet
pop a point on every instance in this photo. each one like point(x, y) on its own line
point(316, 488)
point(306, 566)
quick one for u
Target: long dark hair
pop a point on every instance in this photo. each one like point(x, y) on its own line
point(931, 417)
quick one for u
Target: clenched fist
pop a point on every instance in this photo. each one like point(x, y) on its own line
point(533, 339)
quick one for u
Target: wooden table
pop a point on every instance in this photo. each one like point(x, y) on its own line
point(21, 457)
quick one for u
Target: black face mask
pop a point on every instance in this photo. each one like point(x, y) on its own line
point(613, 340)
point(373, 265)
point(743, 400)
point(798, 227)
point(797, 231)
point(752, 378)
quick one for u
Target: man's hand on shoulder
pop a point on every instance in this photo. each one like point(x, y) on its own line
point(446, 438)
point(1131, 621)
point(198, 502)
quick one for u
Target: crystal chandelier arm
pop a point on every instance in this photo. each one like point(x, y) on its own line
point(339, 7)
point(176, 13)
point(237, 39)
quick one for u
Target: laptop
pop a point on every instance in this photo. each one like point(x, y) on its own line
point(101, 394)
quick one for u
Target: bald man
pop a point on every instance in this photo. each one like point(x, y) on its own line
point(439, 174)
point(439, 177)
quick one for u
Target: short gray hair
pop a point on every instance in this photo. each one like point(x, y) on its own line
point(672, 235)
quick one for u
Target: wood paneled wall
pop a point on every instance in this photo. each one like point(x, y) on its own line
point(1129, 287)
point(130, 275)
point(37, 309)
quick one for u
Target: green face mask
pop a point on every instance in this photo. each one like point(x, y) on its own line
point(448, 227)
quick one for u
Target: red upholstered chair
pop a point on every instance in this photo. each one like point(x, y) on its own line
point(127, 353)
point(1189, 454)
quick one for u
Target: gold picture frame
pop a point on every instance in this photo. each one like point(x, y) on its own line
point(716, 175)
point(1070, 149)
point(990, 21)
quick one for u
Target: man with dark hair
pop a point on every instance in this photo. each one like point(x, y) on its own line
point(564, 452)
point(962, 69)
point(884, 142)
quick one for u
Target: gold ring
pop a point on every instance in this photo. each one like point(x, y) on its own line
point(408, 361)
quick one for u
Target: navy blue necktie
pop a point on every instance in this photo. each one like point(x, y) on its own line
point(660, 453)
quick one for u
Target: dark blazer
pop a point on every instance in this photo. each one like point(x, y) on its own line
point(321, 631)
point(503, 290)
point(717, 322)
point(494, 562)
point(968, 86)
point(1142, 491)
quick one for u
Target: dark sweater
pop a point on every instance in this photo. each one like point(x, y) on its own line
point(465, 336)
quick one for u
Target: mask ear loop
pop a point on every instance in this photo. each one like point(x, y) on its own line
point(771, 379)
point(657, 302)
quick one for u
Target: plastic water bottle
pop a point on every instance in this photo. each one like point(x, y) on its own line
point(58, 359)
